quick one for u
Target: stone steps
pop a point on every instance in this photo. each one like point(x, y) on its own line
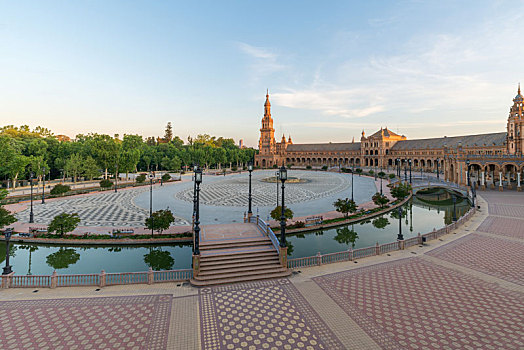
point(237, 244)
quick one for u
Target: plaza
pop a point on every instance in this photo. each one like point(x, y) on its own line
point(448, 294)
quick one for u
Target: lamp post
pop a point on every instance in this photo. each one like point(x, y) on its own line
point(375, 173)
point(250, 169)
point(467, 171)
point(283, 178)
point(454, 207)
point(400, 237)
point(409, 161)
point(405, 170)
point(31, 216)
point(381, 176)
point(195, 168)
point(116, 176)
point(7, 235)
point(438, 161)
point(151, 200)
point(277, 177)
point(352, 172)
point(198, 181)
point(43, 186)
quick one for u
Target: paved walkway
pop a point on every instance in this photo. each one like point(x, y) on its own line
point(463, 291)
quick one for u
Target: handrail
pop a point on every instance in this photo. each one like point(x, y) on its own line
point(267, 230)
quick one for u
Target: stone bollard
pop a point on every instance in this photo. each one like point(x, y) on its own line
point(54, 280)
point(102, 282)
point(319, 259)
point(150, 276)
point(377, 249)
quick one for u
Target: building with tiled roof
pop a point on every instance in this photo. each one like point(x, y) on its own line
point(493, 159)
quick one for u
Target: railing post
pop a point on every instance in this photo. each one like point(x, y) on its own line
point(420, 238)
point(54, 280)
point(401, 244)
point(377, 249)
point(150, 276)
point(319, 259)
point(350, 254)
point(6, 280)
point(283, 257)
point(196, 265)
point(102, 281)
point(245, 218)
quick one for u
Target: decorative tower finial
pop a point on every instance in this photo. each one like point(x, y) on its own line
point(519, 89)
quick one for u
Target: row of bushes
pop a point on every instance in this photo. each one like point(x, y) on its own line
point(87, 236)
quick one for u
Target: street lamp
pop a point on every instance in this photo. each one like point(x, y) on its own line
point(405, 170)
point(454, 207)
point(198, 181)
point(277, 177)
point(31, 216)
point(43, 185)
point(352, 172)
point(467, 171)
point(195, 168)
point(399, 236)
point(151, 200)
point(381, 176)
point(250, 169)
point(409, 161)
point(438, 161)
point(116, 176)
point(7, 235)
point(283, 178)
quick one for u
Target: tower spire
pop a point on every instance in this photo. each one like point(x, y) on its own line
point(519, 89)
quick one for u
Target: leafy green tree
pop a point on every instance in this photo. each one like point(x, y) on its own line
point(379, 199)
point(6, 218)
point(358, 171)
point(159, 260)
point(90, 169)
point(345, 206)
point(171, 163)
point(166, 177)
point(168, 135)
point(401, 191)
point(380, 222)
point(63, 223)
point(160, 220)
point(277, 213)
point(73, 166)
point(62, 258)
point(346, 236)
point(381, 174)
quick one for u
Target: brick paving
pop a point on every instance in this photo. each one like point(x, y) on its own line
point(415, 304)
point(503, 226)
point(132, 322)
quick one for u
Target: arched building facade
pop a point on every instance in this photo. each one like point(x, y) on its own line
point(494, 160)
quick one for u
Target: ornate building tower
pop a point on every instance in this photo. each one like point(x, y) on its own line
point(515, 126)
point(266, 144)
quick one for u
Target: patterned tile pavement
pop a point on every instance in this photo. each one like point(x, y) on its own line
point(131, 322)
point(261, 315)
point(498, 257)
point(506, 210)
point(414, 304)
point(503, 226)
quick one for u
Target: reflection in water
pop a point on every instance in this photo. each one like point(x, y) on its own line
point(12, 251)
point(31, 248)
point(157, 259)
point(63, 258)
point(381, 222)
point(346, 236)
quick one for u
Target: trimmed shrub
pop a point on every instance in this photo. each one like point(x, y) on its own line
point(106, 183)
point(60, 189)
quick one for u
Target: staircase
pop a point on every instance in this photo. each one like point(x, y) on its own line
point(238, 261)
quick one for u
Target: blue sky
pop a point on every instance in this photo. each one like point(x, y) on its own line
point(333, 68)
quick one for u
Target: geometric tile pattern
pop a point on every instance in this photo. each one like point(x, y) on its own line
point(414, 304)
point(503, 226)
point(134, 322)
point(103, 209)
point(497, 257)
point(233, 191)
point(261, 315)
point(506, 210)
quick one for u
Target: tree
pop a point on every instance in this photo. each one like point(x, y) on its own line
point(171, 163)
point(160, 220)
point(380, 222)
point(89, 168)
point(158, 259)
point(277, 213)
point(380, 199)
point(168, 135)
point(73, 165)
point(345, 206)
point(346, 236)
point(62, 258)
point(6, 218)
point(382, 174)
point(401, 191)
point(391, 176)
point(166, 177)
point(63, 223)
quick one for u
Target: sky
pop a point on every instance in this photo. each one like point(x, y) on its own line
point(333, 68)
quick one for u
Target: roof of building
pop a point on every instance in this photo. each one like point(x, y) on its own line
point(482, 140)
point(322, 147)
point(385, 132)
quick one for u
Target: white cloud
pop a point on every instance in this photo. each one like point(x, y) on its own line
point(264, 61)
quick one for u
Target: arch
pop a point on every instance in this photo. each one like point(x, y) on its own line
point(376, 152)
point(263, 163)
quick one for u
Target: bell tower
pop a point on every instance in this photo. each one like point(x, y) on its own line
point(266, 144)
point(515, 138)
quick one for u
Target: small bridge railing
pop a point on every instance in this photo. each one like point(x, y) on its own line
point(266, 229)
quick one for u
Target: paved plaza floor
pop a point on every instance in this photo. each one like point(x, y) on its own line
point(463, 291)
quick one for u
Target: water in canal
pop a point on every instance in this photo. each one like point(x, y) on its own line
point(417, 216)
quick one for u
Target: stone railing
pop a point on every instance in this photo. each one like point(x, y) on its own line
point(95, 279)
point(353, 254)
point(266, 229)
